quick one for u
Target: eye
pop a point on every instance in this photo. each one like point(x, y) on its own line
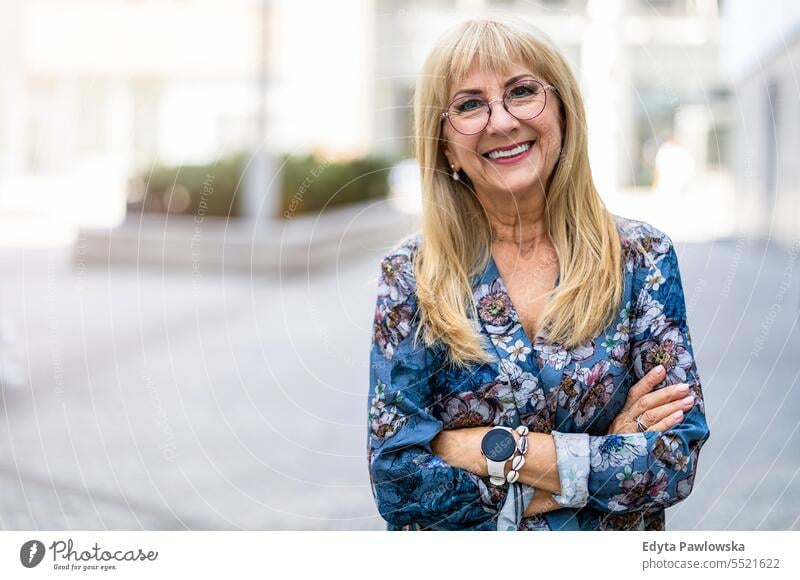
point(468, 105)
point(520, 91)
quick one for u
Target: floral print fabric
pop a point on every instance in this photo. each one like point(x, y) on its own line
point(572, 460)
point(609, 482)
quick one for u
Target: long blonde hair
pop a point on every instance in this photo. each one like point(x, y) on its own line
point(456, 235)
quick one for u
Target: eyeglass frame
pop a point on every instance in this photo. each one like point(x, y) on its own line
point(489, 104)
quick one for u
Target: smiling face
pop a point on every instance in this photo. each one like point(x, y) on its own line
point(510, 155)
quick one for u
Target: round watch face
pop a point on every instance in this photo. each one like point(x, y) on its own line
point(498, 445)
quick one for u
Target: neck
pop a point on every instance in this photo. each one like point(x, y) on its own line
point(518, 223)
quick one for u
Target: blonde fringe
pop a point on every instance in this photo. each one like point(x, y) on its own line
point(456, 237)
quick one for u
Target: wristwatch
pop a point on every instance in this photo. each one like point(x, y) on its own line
point(497, 446)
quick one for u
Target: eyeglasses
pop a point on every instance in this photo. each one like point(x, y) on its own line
point(523, 100)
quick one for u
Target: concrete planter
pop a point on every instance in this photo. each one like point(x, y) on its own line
point(202, 244)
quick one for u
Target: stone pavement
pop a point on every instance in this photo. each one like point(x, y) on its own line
point(158, 400)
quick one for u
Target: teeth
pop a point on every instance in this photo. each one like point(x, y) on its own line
point(511, 152)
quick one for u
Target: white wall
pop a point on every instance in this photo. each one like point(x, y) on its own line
point(769, 214)
point(761, 49)
point(754, 30)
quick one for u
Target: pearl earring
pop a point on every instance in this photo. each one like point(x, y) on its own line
point(455, 173)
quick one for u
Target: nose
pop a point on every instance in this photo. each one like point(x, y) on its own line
point(500, 120)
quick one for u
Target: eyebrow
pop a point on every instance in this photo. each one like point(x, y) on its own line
point(510, 81)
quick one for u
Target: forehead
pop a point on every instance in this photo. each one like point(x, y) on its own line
point(487, 80)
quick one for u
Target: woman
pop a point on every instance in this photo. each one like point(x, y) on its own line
point(523, 303)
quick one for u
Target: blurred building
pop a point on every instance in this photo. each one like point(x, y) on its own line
point(762, 45)
point(93, 91)
point(647, 68)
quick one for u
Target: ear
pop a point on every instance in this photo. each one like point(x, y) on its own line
point(451, 158)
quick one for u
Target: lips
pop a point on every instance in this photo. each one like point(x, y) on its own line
point(509, 150)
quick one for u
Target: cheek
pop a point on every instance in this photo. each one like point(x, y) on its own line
point(466, 152)
point(551, 134)
point(551, 143)
point(462, 147)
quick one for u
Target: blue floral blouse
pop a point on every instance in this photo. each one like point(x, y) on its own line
point(608, 482)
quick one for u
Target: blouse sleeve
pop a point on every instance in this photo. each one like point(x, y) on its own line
point(410, 484)
point(633, 471)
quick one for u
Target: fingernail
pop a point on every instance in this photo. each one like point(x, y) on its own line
point(682, 388)
point(689, 399)
point(657, 370)
point(677, 415)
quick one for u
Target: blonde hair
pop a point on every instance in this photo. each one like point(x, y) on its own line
point(456, 234)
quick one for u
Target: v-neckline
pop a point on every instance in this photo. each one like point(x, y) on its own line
point(491, 274)
point(530, 340)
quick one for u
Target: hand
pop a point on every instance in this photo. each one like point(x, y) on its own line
point(541, 503)
point(658, 410)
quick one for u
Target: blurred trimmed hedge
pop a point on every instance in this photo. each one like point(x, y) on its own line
point(182, 189)
point(309, 183)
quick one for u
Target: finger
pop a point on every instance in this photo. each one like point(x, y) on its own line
point(653, 416)
point(660, 397)
point(645, 385)
point(667, 423)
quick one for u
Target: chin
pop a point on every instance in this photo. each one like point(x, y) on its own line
point(518, 185)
